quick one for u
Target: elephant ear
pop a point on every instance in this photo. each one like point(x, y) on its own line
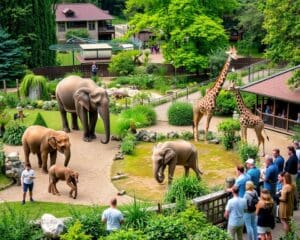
point(81, 96)
point(169, 154)
point(52, 142)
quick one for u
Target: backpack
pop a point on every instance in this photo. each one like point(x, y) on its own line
point(251, 204)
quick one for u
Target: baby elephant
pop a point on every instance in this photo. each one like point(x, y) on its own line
point(57, 173)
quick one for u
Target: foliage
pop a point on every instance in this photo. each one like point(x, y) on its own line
point(282, 25)
point(228, 129)
point(2, 158)
point(90, 221)
point(136, 215)
point(190, 186)
point(294, 81)
point(30, 82)
point(180, 114)
point(141, 97)
point(124, 62)
point(128, 143)
point(32, 24)
point(212, 232)
point(189, 43)
point(225, 103)
point(82, 33)
point(186, 135)
point(13, 133)
point(217, 58)
point(50, 105)
point(39, 120)
point(292, 234)
point(75, 232)
point(114, 107)
point(11, 58)
point(296, 136)
point(51, 86)
point(125, 235)
point(203, 89)
point(15, 225)
point(247, 151)
point(11, 100)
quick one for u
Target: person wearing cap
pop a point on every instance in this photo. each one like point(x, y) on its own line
point(278, 159)
point(253, 172)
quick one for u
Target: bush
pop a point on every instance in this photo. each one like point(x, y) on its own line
point(180, 114)
point(50, 105)
point(225, 103)
point(34, 86)
point(11, 100)
point(228, 129)
point(152, 69)
point(123, 63)
point(212, 232)
point(39, 120)
point(128, 143)
point(75, 232)
point(82, 33)
point(247, 151)
point(2, 158)
point(125, 235)
point(13, 133)
point(91, 222)
point(190, 186)
point(51, 86)
point(186, 135)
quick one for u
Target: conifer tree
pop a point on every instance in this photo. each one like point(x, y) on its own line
point(39, 120)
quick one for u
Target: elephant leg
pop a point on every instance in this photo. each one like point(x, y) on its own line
point(53, 156)
point(72, 188)
point(82, 113)
point(93, 121)
point(50, 187)
point(26, 152)
point(44, 162)
point(39, 159)
point(74, 122)
point(186, 171)
point(63, 115)
point(171, 172)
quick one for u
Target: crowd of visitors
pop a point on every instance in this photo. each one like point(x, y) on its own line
point(262, 197)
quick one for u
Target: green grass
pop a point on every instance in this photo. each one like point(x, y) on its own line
point(53, 120)
point(37, 209)
point(4, 180)
point(216, 162)
point(66, 59)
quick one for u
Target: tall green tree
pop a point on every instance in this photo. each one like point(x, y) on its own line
point(188, 30)
point(11, 58)
point(282, 23)
point(32, 24)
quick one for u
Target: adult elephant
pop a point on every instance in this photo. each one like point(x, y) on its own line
point(83, 98)
point(174, 153)
point(43, 141)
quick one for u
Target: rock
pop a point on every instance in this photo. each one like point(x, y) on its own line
point(119, 156)
point(52, 227)
point(215, 141)
point(115, 138)
point(13, 167)
point(172, 135)
point(117, 177)
point(146, 136)
point(122, 192)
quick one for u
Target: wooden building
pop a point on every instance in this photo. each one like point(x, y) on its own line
point(276, 103)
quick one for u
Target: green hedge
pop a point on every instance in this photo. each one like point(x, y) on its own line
point(13, 133)
point(180, 114)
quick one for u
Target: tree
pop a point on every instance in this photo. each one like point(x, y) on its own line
point(282, 23)
point(11, 58)
point(188, 30)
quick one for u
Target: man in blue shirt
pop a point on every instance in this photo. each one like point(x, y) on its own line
point(271, 176)
point(240, 182)
point(278, 160)
point(253, 172)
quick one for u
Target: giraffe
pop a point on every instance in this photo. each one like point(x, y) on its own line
point(249, 120)
point(207, 104)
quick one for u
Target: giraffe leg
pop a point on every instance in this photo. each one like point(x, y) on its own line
point(260, 139)
point(209, 116)
point(196, 119)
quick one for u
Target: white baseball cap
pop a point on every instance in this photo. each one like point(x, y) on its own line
point(250, 161)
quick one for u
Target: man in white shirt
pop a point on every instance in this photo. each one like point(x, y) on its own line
point(27, 182)
point(112, 217)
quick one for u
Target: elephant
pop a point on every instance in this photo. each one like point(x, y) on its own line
point(43, 141)
point(57, 173)
point(174, 153)
point(83, 98)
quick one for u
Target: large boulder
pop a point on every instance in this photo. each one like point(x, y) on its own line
point(52, 227)
point(14, 167)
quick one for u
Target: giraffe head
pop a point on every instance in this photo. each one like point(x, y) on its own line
point(232, 53)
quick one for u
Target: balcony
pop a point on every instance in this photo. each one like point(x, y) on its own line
point(106, 29)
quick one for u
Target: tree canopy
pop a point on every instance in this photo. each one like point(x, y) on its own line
point(187, 30)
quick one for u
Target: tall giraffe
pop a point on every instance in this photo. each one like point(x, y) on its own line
point(249, 120)
point(207, 104)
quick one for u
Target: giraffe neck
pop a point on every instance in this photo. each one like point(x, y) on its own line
point(221, 79)
point(240, 102)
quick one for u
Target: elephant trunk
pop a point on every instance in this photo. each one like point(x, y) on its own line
point(103, 111)
point(67, 153)
point(159, 173)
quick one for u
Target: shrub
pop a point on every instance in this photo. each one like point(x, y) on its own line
point(82, 33)
point(180, 114)
point(13, 133)
point(75, 232)
point(225, 103)
point(228, 129)
point(212, 232)
point(152, 69)
point(186, 135)
point(39, 120)
point(190, 186)
point(125, 235)
point(91, 222)
point(2, 158)
point(296, 136)
point(247, 151)
point(11, 100)
point(34, 86)
point(50, 105)
point(128, 143)
point(51, 86)
point(123, 63)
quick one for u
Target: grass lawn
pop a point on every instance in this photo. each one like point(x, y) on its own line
point(37, 209)
point(66, 59)
point(53, 120)
point(4, 180)
point(217, 162)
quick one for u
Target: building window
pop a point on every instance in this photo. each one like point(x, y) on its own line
point(91, 26)
point(61, 27)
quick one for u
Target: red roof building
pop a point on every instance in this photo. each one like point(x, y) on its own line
point(70, 16)
point(276, 103)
